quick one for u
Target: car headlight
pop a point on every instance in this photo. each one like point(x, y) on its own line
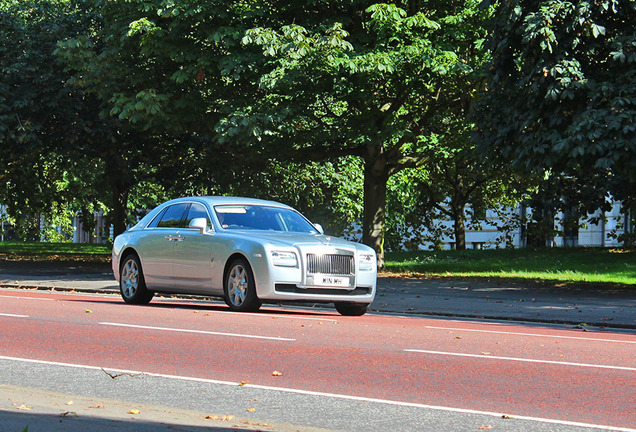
point(366, 262)
point(284, 259)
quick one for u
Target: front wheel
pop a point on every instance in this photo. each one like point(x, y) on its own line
point(240, 287)
point(132, 285)
point(352, 309)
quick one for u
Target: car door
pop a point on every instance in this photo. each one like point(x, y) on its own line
point(192, 265)
point(157, 247)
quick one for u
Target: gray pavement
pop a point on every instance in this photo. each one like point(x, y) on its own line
point(579, 306)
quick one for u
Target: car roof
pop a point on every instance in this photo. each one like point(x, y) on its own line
point(228, 200)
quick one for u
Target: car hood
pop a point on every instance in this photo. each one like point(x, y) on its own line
point(297, 239)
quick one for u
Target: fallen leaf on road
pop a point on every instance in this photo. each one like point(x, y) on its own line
point(25, 407)
point(506, 416)
point(227, 418)
point(89, 311)
point(277, 373)
point(458, 337)
point(484, 427)
point(242, 383)
point(212, 417)
point(251, 409)
point(97, 406)
point(134, 411)
point(69, 403)
point(69, 413)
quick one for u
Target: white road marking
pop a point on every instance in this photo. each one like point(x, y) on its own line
point(196, 331)
point(330, 395)
point(521, 359)
point(13, 315)
point(27, 298)
point(530, 334)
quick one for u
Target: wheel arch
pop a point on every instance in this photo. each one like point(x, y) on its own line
point(231, 259)
point(129, 250)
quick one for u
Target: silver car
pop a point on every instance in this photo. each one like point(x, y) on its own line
point(245, 250)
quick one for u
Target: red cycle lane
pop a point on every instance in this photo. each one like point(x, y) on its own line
point(581, 376)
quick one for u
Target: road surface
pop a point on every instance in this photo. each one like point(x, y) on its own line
point(306, 369)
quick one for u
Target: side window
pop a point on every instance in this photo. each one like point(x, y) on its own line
point(196, 211)
point(156, 220)
point(171, 218)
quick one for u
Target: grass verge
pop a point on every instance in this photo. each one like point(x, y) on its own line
point(598, 266)
point(550, 265)
point(36, 251)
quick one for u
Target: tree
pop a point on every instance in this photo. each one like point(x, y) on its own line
point(302, 80)
point(37, 112)
point(561, 95)
point(461, 187)
point(376, 82)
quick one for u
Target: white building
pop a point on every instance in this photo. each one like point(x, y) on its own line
point(492, 235)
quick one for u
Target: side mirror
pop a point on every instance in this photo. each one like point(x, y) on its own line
point(319, 228)
point(199, 223)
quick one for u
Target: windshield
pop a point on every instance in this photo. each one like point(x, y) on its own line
point(260, 217)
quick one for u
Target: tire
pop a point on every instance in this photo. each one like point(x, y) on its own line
point(132, 285)
point(352, 309)
point(240, 288)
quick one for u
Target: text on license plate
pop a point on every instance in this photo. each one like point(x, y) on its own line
point(331, 281)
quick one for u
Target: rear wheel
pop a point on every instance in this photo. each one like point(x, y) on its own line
point(240, 287)
point(352, 309)
point(132, 285)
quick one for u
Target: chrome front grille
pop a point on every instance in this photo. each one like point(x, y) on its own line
point(331, 264)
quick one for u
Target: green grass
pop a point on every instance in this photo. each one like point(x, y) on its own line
point(551, 265)
point(580, 265)
point(55, 251)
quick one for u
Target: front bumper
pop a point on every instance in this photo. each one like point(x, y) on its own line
point(298, 284)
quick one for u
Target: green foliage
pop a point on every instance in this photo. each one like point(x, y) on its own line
point(561, 96)
point(36, 110)
point(271, 80)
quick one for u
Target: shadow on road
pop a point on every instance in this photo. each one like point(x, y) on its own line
point(32, 422)
point(214, 307)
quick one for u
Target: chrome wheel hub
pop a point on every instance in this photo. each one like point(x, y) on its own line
point(129, 279)
point(237, 285)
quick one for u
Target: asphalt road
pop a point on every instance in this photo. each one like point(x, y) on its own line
point(177, 362)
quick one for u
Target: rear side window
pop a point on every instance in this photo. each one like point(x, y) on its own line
point(171, 217)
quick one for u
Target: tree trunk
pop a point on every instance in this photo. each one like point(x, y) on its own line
point(119, 216)
point(118, 180)
point(375, 179)
point(460, 229)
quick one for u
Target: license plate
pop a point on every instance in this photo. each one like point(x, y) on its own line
point(331, 281)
